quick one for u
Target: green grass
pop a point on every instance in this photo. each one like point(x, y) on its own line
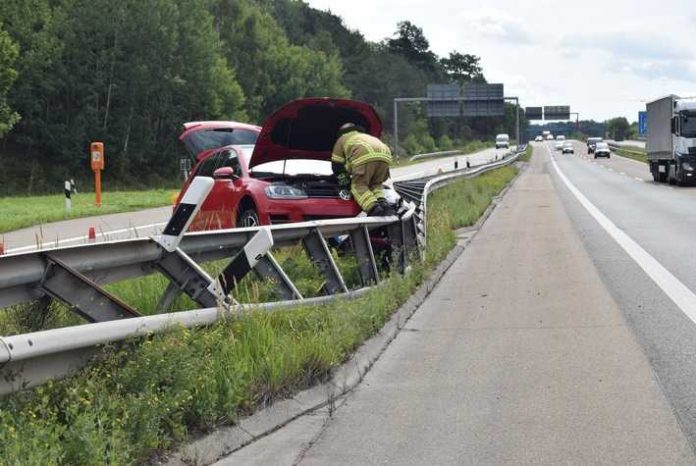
point(20, 212)
point(527, 154)
point(145, 396)
point(632, 152)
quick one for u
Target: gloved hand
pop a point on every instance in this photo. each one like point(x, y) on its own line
point(343, 179)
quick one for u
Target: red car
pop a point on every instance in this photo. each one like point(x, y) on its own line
point(282, 176)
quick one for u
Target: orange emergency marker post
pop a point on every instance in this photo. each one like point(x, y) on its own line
point(96, 150)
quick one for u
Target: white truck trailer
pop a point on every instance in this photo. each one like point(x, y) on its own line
point(671, 143)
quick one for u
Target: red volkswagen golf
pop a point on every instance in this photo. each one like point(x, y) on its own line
point(280, 173)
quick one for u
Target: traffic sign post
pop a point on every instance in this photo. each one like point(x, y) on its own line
point(449, 100)
point(643, 123)
point(96, 160)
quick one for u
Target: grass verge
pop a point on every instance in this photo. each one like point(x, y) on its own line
point(20, 212)
point(527, 154)
point(142, 397)
point(635, 153)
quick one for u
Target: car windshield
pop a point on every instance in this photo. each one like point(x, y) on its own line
point(292, 167)
point(688, 124)
point(602, 145)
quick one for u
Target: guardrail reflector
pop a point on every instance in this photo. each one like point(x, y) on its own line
point(185, 212)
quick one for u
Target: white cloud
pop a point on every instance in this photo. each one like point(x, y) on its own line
point(604, 58)
point(495, 24)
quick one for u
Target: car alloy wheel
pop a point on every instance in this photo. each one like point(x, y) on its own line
point(249, 218)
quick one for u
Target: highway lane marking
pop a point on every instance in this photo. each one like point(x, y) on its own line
point(640, 179)
point(679, 293)
point(83, 238)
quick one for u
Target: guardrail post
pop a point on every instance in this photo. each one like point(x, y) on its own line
point(319, 252)
point(81, 294)
point(410, 230)
point(360, 238)
point(399, 260)
point(243, 262)
point(187, 277)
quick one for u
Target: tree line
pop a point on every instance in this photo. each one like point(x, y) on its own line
point(129, 73)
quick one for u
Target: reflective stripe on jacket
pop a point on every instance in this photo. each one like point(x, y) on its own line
point(354, 149)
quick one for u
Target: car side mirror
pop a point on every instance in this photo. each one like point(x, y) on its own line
point(225, 173)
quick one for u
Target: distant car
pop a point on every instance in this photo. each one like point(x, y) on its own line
point(558, 145)
point(539, 138)
point(560, 137)
point(549, 137)
point(567, 148)
point(591, 142)
point(601, 149)
point(502, 141)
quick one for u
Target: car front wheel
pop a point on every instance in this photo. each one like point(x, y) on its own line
point(248, 218)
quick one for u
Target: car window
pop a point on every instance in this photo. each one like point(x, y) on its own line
point(201, 140)
point(209, 165)
point(230, 159)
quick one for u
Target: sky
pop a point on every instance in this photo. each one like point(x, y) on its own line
point(603, 58)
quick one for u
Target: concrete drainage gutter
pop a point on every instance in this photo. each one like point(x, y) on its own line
point(228, 439)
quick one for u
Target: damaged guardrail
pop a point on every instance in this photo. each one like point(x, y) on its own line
point(76, 276)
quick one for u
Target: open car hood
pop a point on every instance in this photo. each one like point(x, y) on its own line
point(308, 129)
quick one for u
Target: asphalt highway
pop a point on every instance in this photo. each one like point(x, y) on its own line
point(151, 221)
point(564, 334)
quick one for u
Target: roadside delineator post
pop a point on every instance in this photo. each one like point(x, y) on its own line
point(456, 164)
point(91, 235)
point(68, 193)
point(2, 249)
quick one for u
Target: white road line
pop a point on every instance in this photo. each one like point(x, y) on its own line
point(83, 238)
point(622, 173)
point(640, 179)
point(679, 293)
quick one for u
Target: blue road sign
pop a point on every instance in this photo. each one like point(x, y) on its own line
point(642, 123)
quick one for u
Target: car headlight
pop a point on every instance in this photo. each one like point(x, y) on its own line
point(284, 191)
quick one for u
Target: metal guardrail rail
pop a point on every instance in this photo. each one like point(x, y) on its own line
point(76, 276)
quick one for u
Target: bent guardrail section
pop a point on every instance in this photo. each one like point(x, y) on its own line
point(75, 275)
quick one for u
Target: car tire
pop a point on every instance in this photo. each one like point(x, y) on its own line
point(248, 218)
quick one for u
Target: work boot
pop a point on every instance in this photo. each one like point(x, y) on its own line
point(376, 210)
point(386, 207)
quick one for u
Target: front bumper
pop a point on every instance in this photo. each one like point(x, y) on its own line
point(278, 211)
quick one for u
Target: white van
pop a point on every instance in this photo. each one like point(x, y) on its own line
point(502, 141)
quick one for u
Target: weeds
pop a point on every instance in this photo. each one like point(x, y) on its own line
point(149, 394)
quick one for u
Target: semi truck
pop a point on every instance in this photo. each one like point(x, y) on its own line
point(671, 142)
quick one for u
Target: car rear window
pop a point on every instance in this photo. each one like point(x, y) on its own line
point(198, 141)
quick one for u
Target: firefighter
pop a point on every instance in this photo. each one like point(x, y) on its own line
point(363, 161)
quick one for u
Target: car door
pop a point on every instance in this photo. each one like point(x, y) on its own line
point(229, 192)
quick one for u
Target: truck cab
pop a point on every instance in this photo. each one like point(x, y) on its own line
point(502, 141)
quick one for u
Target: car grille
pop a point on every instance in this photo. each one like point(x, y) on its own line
point(322, 191)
